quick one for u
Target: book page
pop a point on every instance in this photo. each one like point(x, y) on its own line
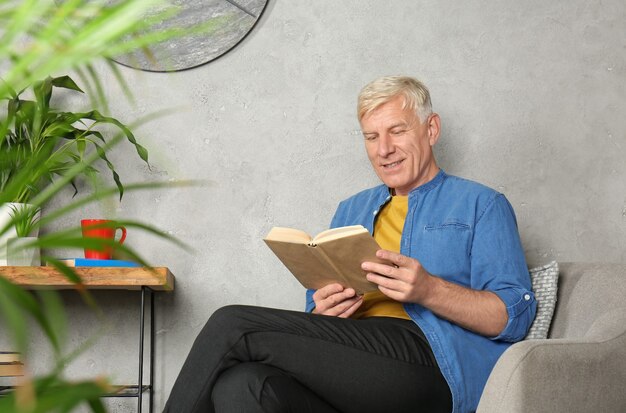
point(341, 232)
point(288, 235)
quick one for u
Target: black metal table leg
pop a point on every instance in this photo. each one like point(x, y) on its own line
point(152, 344)
point(141, 334)
point(142, 322)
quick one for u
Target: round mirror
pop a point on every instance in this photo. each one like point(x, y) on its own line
point(226, 24)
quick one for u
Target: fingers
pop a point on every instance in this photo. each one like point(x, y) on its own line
point(396, 266)
point(346, 308)
point(395, 258)
point(391, 272)
point(396, 277)
point(327, 291)
point(393, 294)
point(352, 309)
point(334, 300)
point(400, 278)
point(382, 269)
point(388, 283)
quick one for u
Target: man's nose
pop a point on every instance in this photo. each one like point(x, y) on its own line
point(385, 145)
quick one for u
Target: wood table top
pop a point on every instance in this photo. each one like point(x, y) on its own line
point(105, 278)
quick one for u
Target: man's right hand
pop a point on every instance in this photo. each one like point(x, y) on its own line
point(335, 300)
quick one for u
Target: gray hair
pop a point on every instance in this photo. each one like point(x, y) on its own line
point(384, 89)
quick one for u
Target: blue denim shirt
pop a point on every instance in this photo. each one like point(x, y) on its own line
point(467, 234)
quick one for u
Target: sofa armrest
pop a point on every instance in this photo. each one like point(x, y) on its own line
point(562, 375)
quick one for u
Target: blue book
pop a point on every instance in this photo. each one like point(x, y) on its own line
point(87, 262)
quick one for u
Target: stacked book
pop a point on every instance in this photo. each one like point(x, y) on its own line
point(90, 262)
point(10, 364)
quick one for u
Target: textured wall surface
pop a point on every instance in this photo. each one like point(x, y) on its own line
point(531, 96)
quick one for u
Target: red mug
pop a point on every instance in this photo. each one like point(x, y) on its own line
point(101, 228)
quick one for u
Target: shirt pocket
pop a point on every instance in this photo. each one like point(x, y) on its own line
point(446, 248)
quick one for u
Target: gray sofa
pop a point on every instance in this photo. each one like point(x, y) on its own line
point(581, 367)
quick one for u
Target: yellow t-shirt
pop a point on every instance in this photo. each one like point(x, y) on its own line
point(388, 233)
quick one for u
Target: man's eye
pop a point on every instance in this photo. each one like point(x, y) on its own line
point(398, 132)
point(370, 137)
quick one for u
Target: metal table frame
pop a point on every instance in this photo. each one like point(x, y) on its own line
point(148, 280)
point(138, 389)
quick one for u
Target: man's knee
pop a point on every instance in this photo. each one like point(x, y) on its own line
point(256, 387)
point(242, 388)
point(226, 315)
point(224, 319)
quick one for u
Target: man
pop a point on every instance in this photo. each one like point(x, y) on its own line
point(454, 294)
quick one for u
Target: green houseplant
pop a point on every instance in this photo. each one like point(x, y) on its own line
point(26, 217)
point(17, 222)
point(21, 250)
point(34, 129)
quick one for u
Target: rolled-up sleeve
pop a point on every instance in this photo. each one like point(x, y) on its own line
point(521, 306)
point(498, 265)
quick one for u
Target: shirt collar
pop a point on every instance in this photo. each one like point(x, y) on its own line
point(433, 183)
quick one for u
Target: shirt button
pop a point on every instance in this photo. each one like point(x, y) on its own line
point(526, 297)
point(375, 212)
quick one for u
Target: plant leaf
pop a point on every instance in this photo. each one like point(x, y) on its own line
point(66, 82)
point(14, 318)
point(25, 301)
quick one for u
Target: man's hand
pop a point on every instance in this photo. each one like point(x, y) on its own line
point(335, 300)
point(405, 280)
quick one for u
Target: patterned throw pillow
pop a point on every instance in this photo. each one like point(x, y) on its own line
point(544, 280)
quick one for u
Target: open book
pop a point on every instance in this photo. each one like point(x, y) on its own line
point(332, 256)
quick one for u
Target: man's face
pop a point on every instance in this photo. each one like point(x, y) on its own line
point(399, 146)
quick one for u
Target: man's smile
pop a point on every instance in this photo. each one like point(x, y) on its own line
point(392, 165)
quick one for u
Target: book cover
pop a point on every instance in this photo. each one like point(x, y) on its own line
point(331, 256)
point(87, 262)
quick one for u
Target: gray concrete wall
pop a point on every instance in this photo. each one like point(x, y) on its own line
point(531, 96)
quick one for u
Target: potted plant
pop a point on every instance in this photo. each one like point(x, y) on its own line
point(23, 249)
point(36, 133)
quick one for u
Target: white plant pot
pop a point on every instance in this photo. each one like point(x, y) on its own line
point(6, 211)
point(19, 253)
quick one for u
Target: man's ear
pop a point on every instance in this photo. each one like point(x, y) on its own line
point(434, 128)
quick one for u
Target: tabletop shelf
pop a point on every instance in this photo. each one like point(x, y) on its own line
point(105, 278)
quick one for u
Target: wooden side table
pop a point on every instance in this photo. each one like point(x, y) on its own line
point(108, 278)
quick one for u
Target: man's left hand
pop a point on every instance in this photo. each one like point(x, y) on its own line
point(405, 280)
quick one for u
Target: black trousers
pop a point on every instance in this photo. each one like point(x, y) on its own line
point(253, 359)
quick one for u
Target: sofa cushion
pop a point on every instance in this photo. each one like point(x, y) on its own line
point(544, 285)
